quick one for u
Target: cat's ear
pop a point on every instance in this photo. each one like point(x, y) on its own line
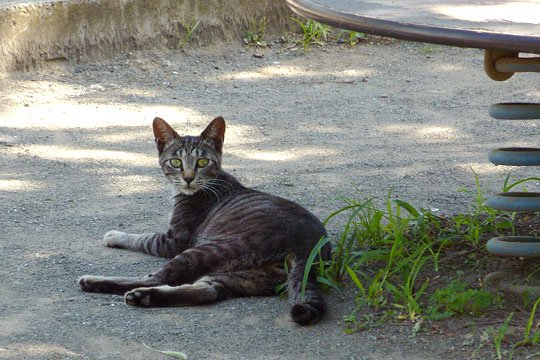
point(214, 134)
point(163, 133)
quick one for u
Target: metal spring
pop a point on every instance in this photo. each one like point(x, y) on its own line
point(500, 66)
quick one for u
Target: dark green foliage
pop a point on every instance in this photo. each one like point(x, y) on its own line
point(457, 298)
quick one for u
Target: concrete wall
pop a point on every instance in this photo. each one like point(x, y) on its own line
point(85, 30)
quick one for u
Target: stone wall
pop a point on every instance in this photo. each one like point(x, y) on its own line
point(85, 30)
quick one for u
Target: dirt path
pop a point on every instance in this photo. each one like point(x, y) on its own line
point(78, 159)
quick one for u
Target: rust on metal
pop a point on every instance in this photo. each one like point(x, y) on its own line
point(491, 57)
point(517, 64)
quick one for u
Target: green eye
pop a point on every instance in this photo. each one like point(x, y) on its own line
point(176, 163)
point(202, 162)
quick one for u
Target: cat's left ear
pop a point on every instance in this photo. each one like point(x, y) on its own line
point(164, 133)
point(214, 134)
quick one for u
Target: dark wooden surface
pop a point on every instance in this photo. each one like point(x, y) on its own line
point(483, 24)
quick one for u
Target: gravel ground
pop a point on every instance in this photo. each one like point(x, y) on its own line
point(78, 159)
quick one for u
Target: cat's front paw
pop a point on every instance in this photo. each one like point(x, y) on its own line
point(113, 239)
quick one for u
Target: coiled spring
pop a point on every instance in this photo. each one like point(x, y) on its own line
point(500, 66)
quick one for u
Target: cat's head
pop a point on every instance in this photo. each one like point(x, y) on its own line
point(189, 162)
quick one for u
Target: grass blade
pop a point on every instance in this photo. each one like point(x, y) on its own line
point(314, 252)
point(356, 280)
point(410, 209)
point(173, 354)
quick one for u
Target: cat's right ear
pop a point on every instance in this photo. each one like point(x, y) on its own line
point(163, 133)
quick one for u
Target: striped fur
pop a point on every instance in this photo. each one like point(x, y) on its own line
point(224, 240)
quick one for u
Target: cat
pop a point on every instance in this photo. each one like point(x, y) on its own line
point(225, 240)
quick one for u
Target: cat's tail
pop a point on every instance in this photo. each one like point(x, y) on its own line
point(308, 304)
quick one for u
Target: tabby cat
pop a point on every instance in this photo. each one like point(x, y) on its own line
point(225, 240)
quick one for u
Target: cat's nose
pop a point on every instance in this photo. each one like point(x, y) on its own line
point(188, 176)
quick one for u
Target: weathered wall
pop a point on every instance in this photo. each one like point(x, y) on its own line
point(86, 30)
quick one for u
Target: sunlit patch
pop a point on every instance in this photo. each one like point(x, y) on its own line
point(271, 155)
point(518, 11)
point(41, 255)
point(53, 152)
point(484, 168)
point(428, 132)
point(46, 91)
point(54, 105)
point(18, 185)
point(534, 94)
point(397, 128)
point(133, 184)
point(241, 134)
point(125, 136)
point(265, 73)
point(61, 114)
point(352, 73)
point(284, 155)
point(451, 67)
point(27, 350)
point(437, 132)
point(280, 71)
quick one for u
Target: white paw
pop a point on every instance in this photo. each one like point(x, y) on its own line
point(113, 238)
point(139, 297)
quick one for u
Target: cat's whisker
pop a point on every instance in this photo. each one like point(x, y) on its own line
point(212, 186)
point(221, 184)
point(216, 186)
point(205, 191)
point(210, 190)
point(215, 191)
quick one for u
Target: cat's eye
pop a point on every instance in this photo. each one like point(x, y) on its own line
point(202, 162)
point(176, 163)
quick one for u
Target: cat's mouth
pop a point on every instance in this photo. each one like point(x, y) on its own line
point(187, 189)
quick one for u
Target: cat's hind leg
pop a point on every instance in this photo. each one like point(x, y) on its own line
point(209, 289)
point(183, 269)
point(115, 285)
